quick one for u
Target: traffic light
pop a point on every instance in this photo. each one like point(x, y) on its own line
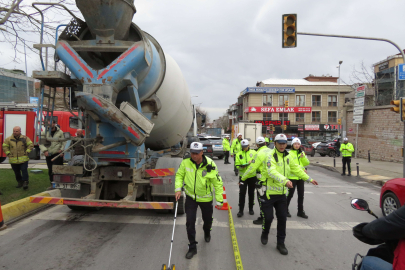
point(399, 107)
point(285, 127)
point(339, 121)
point(286, 103)
point(289, 30)
point(273, 128)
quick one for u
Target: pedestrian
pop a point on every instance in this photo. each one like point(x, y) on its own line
point(17, 147)
point(261, 157)
point(235, 148)
point(199, 175)
point(78, 148)
point(337, 147)
point(54, 148)
point(226, 147)
point(242, 161)
point(275, 167)
point(347, 149)
point(297, 156)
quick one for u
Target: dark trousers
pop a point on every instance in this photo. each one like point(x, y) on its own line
point(279, 202)
point(50, 163)
point(191, 213)
point(247, 185)
point(234, 165)
point(260, 204)
point(20, 172)
point(337, 152)
point(299, 184)
point(226, 156)
point(346, 160)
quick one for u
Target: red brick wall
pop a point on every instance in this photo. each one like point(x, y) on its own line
point(381, 132)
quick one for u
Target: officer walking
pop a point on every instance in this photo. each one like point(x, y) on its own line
point(226, 147)
point(347, 149)
point(297, 156)
point(250, 172)
point(200, 175)
point(275, 168)
point(235, 148)
point(242, 161)
point(17, 147)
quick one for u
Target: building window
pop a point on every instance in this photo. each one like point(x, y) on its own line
point(316, 101)
point(332, 101)
point(266, 116)
point(283, 116)
point(267, 100)
point(283, 98)
point(316, 116)
point(300, 100)
point(299, 117)
point(332, 117)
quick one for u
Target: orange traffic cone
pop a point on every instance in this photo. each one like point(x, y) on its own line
point(225, 205)
point(2, 225)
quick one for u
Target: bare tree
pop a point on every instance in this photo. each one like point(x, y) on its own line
point(223, 122)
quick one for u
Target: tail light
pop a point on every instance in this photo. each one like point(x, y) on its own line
point(60, 178)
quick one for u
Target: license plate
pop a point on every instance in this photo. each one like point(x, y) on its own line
point(66, 186)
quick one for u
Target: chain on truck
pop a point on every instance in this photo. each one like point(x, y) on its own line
point(133, 103)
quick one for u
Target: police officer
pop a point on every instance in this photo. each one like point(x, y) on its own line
point(242, 160)
point(347, 149)
point(226, 147)
point(297, 156)
point(235, 148)
point(267, 140)
point(200, 175)
point(275, 168)
point(250, 172)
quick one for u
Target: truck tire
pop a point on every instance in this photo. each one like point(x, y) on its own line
point(2, 159)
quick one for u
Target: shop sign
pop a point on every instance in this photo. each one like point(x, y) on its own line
point(268, 90)
point(300, 127)
point(312, 127)
point(383, 66)
point(278, 110)
point(273, 122)
point(328, 127)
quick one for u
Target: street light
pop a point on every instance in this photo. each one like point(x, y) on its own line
point(195, 120)
point(340, 131)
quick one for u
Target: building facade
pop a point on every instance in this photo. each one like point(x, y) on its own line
point(13, 86)
point(312, 110)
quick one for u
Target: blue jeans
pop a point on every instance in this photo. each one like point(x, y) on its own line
point(374, 263)
point(20, 169)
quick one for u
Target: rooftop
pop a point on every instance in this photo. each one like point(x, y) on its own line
point(292, 82)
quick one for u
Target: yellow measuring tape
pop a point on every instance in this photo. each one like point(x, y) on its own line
point(236, 253)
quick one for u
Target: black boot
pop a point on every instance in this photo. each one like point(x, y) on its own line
point(25, 185)
point(283, 250)
point(302, 214)
point(251, 212)
point(192, 250)
point(349, 174)
point(258, 221)
point(288, 213)
point(240, 213)
point(207, 237)
point(264, 238)
point(19, 185)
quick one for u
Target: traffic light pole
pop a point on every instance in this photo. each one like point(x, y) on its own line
point(366, 38)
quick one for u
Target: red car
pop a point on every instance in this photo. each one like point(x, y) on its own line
point(392, 195)
point(307, 147)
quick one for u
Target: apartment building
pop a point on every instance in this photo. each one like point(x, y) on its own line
point(312, 105)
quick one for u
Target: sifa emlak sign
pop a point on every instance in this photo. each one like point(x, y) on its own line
point(278, 110)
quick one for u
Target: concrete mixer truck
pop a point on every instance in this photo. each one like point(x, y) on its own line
point(134, 105)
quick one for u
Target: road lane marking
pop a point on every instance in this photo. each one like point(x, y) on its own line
point(308, 192)
point(333, 193)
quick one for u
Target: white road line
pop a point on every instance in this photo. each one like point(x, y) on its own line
point(378, 194)
point(333, 193)
point(308, 192)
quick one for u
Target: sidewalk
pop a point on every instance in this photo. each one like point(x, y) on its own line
point(377, 172)
point(5, 165)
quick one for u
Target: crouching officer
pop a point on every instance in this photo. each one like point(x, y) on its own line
point(276, 184)
point(200, 175)
point(242, 161)
point(258, 164)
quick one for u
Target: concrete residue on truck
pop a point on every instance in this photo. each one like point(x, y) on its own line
point(134, 104)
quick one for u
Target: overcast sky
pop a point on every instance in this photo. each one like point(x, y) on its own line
point(224, 46)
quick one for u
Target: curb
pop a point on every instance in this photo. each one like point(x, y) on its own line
point(14, 210)
point(330, 168)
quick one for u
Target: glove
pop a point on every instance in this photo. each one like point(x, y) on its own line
point(220, 204)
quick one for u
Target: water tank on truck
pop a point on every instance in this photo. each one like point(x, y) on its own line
point(135, 104)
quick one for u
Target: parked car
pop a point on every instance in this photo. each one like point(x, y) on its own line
point(307, 147)
point(191, 139)
point(207, 146)
point(315, 145)
point(392, 195)
point(217, 147)
point(326, 148)
point(289, 141)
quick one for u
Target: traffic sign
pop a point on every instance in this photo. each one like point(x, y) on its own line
point(268, 128)
point(360, 94)
point(401, 72)
point(357, 119)
point(359, 101)
point(358, 110)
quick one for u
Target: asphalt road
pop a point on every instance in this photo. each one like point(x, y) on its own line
point(59, 238)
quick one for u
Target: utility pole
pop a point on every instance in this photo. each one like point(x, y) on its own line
point(338, 113)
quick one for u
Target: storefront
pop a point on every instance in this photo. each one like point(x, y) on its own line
point(320, 132)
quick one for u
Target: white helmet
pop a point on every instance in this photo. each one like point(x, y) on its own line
point(345, 139)
point(281, 138)
point(296, 140)
point(239, 134)
point(260, 140)
point(244, 143)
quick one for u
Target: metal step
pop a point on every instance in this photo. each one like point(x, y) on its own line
point(53, 78)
